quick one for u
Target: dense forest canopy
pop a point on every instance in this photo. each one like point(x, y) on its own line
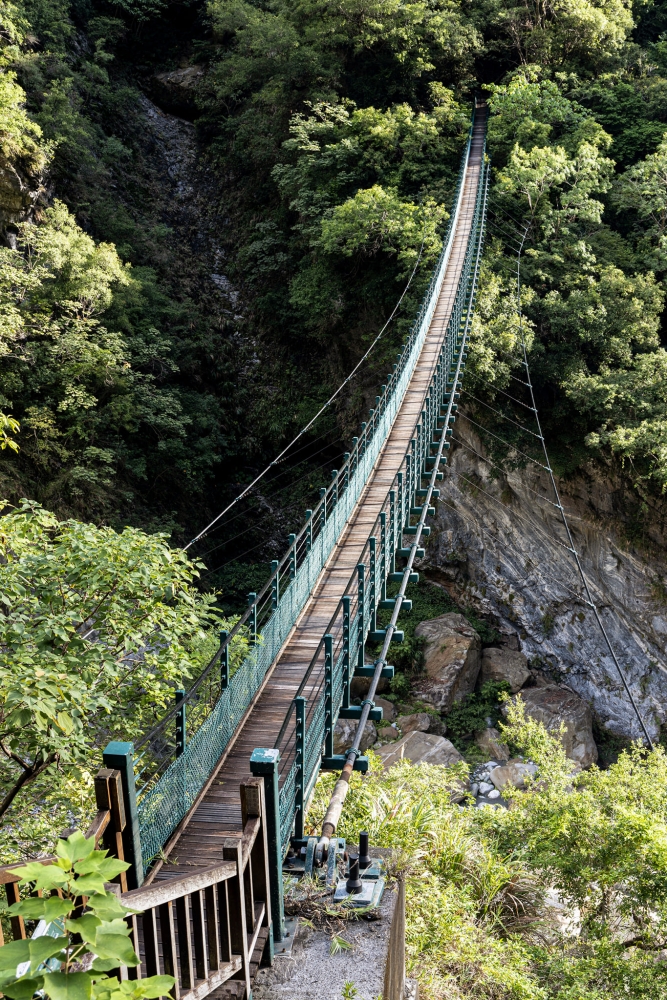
point(157, 351)
point(208, 209)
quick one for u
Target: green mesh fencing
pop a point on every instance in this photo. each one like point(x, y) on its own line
point(387, 530)
point(165, 802)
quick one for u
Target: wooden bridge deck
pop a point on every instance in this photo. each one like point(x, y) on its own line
point(198, 841)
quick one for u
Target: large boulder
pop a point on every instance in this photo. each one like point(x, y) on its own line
point(552, 705)
point(452, 657)
point(491, 742)
point(360, 686)
point(388, 709)
point(421, 748)
point(417, 722)
point(344, 731)
point(505, 665)
point(515, 772)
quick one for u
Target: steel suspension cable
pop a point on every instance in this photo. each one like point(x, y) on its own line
point(304, 430)
point(562, 509)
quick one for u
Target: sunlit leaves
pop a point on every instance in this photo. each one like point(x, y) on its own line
point(93, 620)
point(101, 931)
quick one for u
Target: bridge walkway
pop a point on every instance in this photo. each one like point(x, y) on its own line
point(198, 840)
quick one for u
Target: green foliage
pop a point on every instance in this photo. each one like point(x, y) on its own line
point(479, 919)
point(107, 621)
point(472, 714)
point(591, 297)
point(54, 962)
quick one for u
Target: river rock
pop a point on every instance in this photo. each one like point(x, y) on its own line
point(552, 705)
point(344, 731)
point(451, 661)
point(419, 721)
point(176, 90)
point(388, 709)
point(491, 742)
point(421, 748)
point(360, 686)
point(514, 773)
point(504, 665)
point(388, 732)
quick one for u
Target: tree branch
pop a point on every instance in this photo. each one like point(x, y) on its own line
point(28, 775)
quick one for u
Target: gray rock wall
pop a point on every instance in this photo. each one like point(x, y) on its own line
point(501, 546)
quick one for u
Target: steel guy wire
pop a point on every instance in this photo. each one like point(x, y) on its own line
point(484, 458)
point(500, 413)
point(291, 483)
point(495, 388)
point(310, 423)
point(498, 438)
point(503, 543)
point(507, 507)
point(564, 518)
point(266, 516)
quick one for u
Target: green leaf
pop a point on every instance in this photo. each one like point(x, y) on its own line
point(45, 947)
point(156, 986)
point(68, 986)
point(44, 876)
point(41, 908)
point(86, 885)
point(76, 847)
point(108, 907)
point(116, 946)
point(104, 964)
point(13, 954)
point(86, 926)
point(107, 867)
point(22, 989)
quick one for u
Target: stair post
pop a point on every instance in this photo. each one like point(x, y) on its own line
point(264, 764)
point(119, 756)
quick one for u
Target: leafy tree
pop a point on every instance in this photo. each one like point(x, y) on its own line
point(94, 622)
point(52, 965)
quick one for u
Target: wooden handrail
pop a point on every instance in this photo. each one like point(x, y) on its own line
point(157, 893)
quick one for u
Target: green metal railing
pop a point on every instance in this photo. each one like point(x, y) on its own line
point(170, 773)
point(305, 743)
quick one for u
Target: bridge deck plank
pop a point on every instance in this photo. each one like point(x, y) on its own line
point(218, 814)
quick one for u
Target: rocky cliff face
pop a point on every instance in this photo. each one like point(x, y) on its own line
point(499, 544)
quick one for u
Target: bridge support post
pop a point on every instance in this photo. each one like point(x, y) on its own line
point(224, 661)
point(181, 723)
point(309, 530)
point(252, 621)
point(275, 584)
point(383, 556)
point(361, 570)
point(323, 508)
point(300, 740)
point(373, 583)
point(292, 557)
point(392, 529)
point(328, 695)
point(346, 652)
point(264, 764)
point(119, 756)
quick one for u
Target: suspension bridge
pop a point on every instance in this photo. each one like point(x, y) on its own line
point(262, 720)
